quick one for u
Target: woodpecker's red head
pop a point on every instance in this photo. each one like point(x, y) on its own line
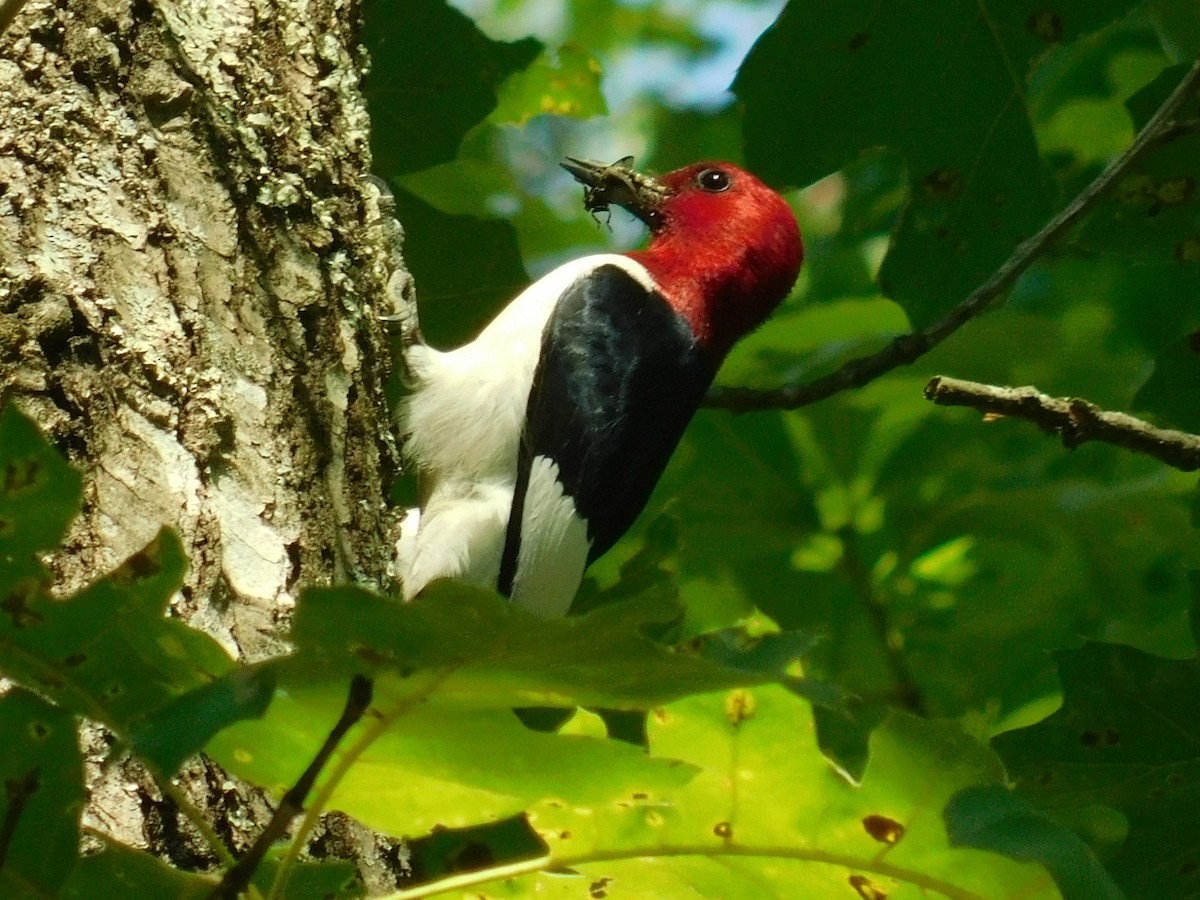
point(724, 248)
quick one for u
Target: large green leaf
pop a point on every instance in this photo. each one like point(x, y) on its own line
point(442, 746)
point(1179, 23)
point(1127, 737)
point(944, 84)
point(767, 816)
point(120, 871)
point(109, 653)
point(1170, 392)
point(994, 818)
point(466, 268)
point(1151, 223)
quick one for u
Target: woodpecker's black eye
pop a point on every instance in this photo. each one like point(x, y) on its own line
point(713, 180)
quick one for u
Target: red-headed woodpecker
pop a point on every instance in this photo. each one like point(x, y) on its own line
point(538, 443)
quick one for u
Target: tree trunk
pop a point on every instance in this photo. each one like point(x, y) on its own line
point(191, 273)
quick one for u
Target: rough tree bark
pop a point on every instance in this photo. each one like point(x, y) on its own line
point(191, 268)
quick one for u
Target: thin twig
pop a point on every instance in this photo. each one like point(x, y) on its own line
point(1076, 421)
point(237, 878)
point(910, 347)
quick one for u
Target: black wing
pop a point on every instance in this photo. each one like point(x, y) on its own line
point(619, 377)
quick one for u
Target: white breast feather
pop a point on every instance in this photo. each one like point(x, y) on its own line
point(462, 426)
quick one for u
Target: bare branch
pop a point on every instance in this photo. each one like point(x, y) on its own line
point(1076, 421)
point(906, 349)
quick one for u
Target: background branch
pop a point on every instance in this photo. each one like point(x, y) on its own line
point(908, 348)
point(1076, 421)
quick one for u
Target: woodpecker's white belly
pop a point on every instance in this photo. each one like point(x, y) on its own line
point(463, 424)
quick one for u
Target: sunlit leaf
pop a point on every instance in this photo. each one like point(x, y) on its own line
point(565, 82)
point(449, 669)
point(767, 816)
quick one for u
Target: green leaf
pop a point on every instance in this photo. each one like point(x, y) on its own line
point(1170, 393)
point(442, 746)
point(109, 653)
point(499, 655)
point(565, 82)
point(807, 341)
point(433, 76)
point(1178, 21)
point(120, 871)
point(1151, 224)
point(311, 880)
point(187, 723)
point(1126, 737)
point(944, 84)
point(439, 764)
point(39, 496)
point(42, 797)
point(732, 487)
point(994, 818)
point(463, 187)
point(766, 815)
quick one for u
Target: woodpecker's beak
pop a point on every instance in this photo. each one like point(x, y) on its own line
point(621, 185)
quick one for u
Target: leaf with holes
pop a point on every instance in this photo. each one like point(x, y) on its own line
point(109, 653)
point(442, 746)
point(768, 816)
point(563, 83)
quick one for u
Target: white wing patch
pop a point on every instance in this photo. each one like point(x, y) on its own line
point(554, 544)
point(462, 425)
